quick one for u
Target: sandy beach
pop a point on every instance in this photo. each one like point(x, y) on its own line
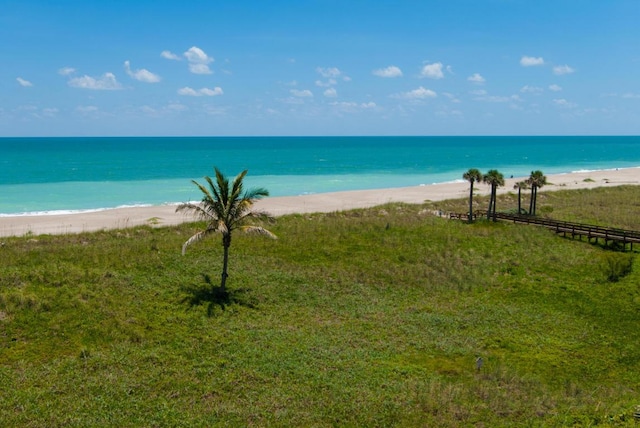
point(326, 202)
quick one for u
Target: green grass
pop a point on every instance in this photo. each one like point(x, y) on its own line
point(363, 318)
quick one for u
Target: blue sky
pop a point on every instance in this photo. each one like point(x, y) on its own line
point(323, 67)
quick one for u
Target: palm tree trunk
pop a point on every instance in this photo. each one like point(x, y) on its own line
point(519, 199)
point(491, 212)
point(495, 196)
point(492, 203)
point(471, 203)
point(226, 243)
point(533, 192)
point(535, 200)
point(489, 207)
point(225, 263)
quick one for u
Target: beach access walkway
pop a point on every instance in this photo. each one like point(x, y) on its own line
point(594, 234)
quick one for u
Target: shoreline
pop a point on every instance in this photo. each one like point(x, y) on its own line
point(165, 215)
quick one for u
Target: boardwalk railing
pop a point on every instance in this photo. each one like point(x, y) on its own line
point(592, 232)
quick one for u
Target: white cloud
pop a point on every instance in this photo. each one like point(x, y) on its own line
point(305, 93)
point(86, 109)
point(29, 108)
point(142, 75)
point(106, 82)
point(331, 93)
point(24, 82)
point(50, 112)
point(200, 69)
point(292, 100)
point(328, 83)
point(476, 78)
point(198, 60)
point(419, 93)
point(562, 69)
point(478, 92)
point(497, 98)
point(197, 55)
point(555, 88)
point(211, 92)
point(344, 104)
point(65, 71)
point(177, 107)
point(163, 111)
point(352, 107)
point(215, 110)
point(200, 92)
point(170, 55)
point(331, 72)
point(452, 97)
point(188, 91)
point(531, 89)
point(561, 102)
point(630, 95)
point(530, 61)
point(391, 71)
point(432, 71)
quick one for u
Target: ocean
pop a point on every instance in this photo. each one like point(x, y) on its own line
point(60, 175)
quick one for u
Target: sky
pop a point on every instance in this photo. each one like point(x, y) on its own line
point(319, 67)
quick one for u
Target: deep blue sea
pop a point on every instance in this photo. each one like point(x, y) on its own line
point(53, 175)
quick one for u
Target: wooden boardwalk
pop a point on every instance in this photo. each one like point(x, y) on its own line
point(592, 233)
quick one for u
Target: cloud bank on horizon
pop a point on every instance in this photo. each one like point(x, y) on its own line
point(488, 68)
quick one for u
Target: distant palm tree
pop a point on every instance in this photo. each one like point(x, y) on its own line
point(495, 179)
point(520, 185)
point(226, 208)
point(536, 180)
point(472, 176)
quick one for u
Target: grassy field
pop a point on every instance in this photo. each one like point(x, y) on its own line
point(363, 318)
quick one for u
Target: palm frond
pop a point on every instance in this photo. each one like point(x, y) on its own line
point(226, 207)
point(260, 215)
point(220, 226)
point(203, 189)
point(197, 209)
point(195, 238)
point(237, 183)
point(221, 187)
point(256, 193)
point(257, 230)
point(472, 175)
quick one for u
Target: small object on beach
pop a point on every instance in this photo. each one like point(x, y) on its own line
point(479, 362)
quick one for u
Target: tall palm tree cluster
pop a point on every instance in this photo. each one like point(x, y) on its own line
point(495, 179)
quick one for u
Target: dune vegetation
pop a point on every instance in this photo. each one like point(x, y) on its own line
point(371, 317)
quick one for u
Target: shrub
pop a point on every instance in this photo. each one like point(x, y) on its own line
point(616, 265)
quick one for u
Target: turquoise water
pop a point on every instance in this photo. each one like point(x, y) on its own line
point(49, 175)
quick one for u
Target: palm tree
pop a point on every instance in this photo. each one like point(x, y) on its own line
point(536, 180)
point(226, 208)
point(520, 185)
point(495, 179)
point(472, 176)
